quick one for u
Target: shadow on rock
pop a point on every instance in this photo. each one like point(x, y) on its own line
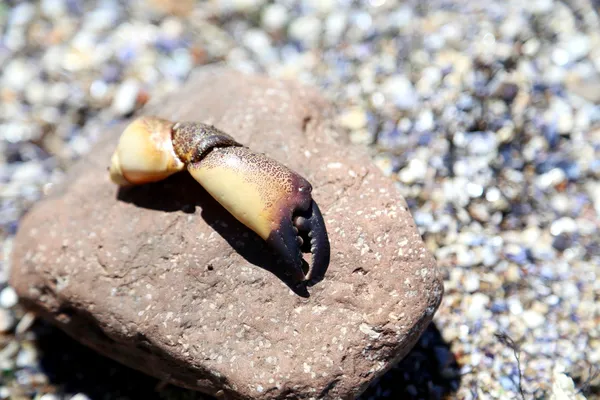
point(74, 368)
point(181, 193)
point(429, 371)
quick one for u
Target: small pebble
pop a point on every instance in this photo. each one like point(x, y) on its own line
point(53, 8)
point(49, 396)
point(25, 323)
point(354, 119)
point(8, 297)
point(80, 396)
point(274, 17)
point(126, 97)
point(7, 320)
point(479, 303)
point(27, 357)
point(306, 30)
point(399, 90)
point(533, 319)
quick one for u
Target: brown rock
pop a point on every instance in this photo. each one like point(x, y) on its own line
point(162, 279)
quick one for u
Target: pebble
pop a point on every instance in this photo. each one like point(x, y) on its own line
point(7, 320)
point(21, 14)
point(8, 297)
point(49, 396)
point(335, 25)
point(400, 91)
point(258, 42)
point(425, 121)
point(476, 309)
point(25, 323)
point(53, 8)
point(27, 357)
point(354, 119)
point(471, 283)
point(126, 97)
point(274, 17)
point(306, 30)
point(563, 387)
point(533, 319)
point(563, 225)
point(80, 396)
point(415, 171)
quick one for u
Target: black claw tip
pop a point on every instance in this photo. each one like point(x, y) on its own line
point(285, 243)
point(320, 245)
point(288, 243)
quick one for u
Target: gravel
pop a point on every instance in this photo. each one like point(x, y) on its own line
point(484, 113)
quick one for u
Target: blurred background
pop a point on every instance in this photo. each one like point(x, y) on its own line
point(485, 113)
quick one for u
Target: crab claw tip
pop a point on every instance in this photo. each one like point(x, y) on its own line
point(319, 242)
point(308, 228)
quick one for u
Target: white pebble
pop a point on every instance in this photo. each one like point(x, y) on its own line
point(49, 396)
point(399, 90)
point(53, 8)
point(35, 92)
point(126, 97)
point(27, 357)
point(25, 323)
point(98, 89)
point(354, 119)
point(551, 178)
point(415, 171)
point(578, 46)
point(274, 17)
point(260, 44)
point(244, 5)
point(100, 19)
point(533, 319)
point(563, 387)
point(531, 47)
point(22, 14)
point(539, 6)
point(425, 121)
point(8, 297)
point(321, 6)
point(479, 302)
point(7, 320)
point(593, 189)
point(563, 225)
point(28, 172)
point(18, 74)
point(471, 283)
point(79, 396)
point(306, 29)
point(57, 93)
point(335, 24)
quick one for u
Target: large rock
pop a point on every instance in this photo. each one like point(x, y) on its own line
point(162, 279)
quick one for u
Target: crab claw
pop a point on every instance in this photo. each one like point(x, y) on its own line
point(263, 194)
point(272, 200)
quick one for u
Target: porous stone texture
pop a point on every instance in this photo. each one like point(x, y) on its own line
point(161, 278)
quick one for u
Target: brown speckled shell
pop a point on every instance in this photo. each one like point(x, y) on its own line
point(257, 190)
point(192, 141)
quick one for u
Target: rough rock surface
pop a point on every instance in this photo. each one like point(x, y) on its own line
point(162, 279)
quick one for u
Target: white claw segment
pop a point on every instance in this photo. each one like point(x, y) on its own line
point(145, 153)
